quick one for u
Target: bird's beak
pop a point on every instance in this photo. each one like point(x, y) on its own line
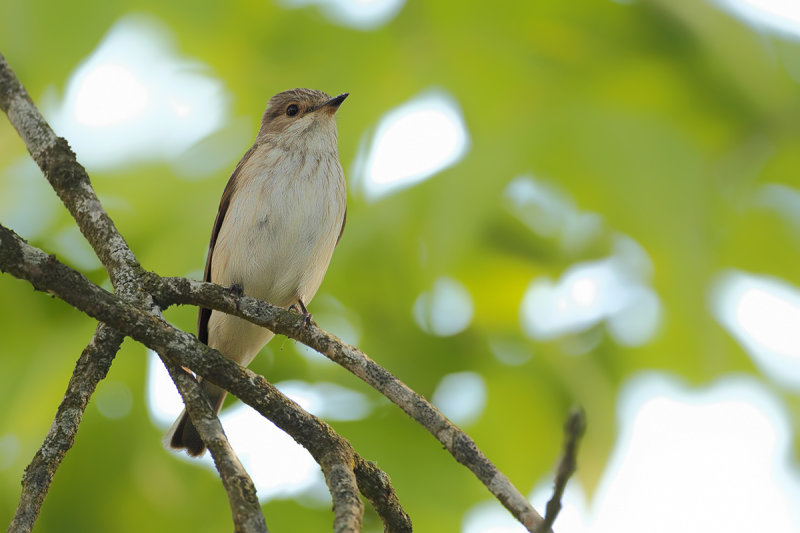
point(333, 104)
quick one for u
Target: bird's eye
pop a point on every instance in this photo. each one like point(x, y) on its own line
point(292, 110)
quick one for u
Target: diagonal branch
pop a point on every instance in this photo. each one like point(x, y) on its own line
point(376, 486)
point(338, 467)
point(92, 366)
point(69, 179)
point(245, 507)
point(329, 449)
point(72, 184)
point(183, 291)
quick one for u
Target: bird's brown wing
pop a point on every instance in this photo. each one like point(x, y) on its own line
point(344, 220)
point(205, 314)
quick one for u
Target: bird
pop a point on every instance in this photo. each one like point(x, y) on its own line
point(281, 215)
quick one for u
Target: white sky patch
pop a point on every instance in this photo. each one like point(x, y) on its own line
point(782, 16)
point(412, 143)
point(445, 310)
point(615, 289)
point(509, 351)
point(718, 456)
point(689, 460)
point(135, 99)
point(491, 517)
point(164, 403)
point(763, 315)
point(358, 14)
point(288, 470)
point(552, 214)
point(327, 400)
point(461, 397)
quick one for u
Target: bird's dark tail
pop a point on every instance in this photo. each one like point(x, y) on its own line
point(183, 435)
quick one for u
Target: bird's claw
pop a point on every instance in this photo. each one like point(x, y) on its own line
point(237, 289)
point(303, 311)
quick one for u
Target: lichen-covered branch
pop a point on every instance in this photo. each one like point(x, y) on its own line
point(46, 273)
point(92, 366)
point(376, 486)
point(73, 186)
point(338, 468)
point(245, 507)
point(458, 443)
point(136, 312)
point(68, 178)
point(71, 182)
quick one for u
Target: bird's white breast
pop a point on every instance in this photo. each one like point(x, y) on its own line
point(282, 224)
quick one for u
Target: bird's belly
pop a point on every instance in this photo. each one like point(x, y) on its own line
point(281, 254)
point(291, 260)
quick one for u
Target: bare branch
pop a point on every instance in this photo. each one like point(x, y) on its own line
point(347, 506)
point(44, 272)
point(72, 184)
point(69, 179)
point(376, 486)
point(574, 428)
point(278, 320)
point(92, 366)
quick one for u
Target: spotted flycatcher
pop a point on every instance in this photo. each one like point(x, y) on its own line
point(281, 215)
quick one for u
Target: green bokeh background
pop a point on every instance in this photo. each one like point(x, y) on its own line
point(662, 116)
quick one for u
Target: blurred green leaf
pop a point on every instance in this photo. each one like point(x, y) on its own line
point(663, 118)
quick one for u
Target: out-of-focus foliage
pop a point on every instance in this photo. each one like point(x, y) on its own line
point(662, 118)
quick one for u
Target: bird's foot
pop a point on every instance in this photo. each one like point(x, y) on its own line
point(237, 289)
point(303, 311)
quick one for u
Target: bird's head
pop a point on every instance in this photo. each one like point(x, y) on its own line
point(301, 118)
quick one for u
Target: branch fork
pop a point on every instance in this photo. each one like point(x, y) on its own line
point(134, 310)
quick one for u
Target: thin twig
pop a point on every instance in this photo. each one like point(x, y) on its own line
point(278, 320)
point(92, 366)
point(72, 184)
point(574, 428)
